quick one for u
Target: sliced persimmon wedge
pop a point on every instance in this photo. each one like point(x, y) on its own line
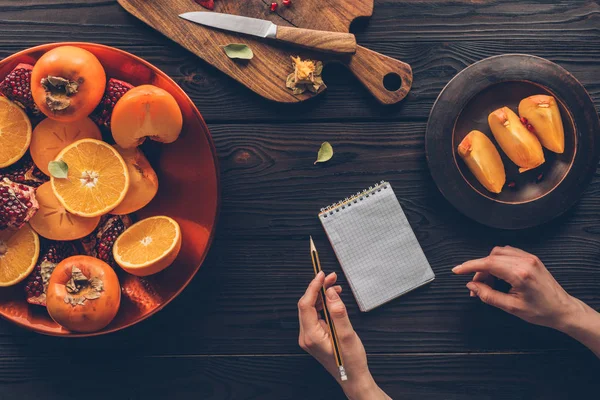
point(54, 222)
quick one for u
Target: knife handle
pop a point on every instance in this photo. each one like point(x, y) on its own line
point(328, 42)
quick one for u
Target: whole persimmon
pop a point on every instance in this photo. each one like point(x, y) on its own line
point(83, 294)
point(67, 83)
point(144, 112)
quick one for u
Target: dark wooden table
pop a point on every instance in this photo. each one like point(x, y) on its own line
point(232, 334)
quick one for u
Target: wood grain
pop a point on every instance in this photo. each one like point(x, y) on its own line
point(329, 42)
point(447, 38)
point(267, 72)
point(239, 314)
point(454, 376)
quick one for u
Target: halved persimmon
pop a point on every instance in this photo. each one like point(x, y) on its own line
point(53, 222)
point(67, 83)
point(143, 182)
point(97, 179)
point(51, 136)
point(146, 112)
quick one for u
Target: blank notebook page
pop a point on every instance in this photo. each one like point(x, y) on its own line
point(376, 246)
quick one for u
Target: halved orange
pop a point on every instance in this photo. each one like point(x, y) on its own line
point(15, 132)
point(97, 180)
point(53, 222)
point(148, 246)
point(51, 136)
point(19, 252)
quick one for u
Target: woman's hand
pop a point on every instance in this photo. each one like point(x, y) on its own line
point(315, 338)
point(535, 295)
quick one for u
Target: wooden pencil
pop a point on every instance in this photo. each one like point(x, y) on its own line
point(314, 255)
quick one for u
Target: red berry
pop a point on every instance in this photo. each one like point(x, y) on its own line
point(273, 6)
point(210, 4)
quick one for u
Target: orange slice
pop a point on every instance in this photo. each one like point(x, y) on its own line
point(15, 132)
point(53, 222)
point(148, 246)
point(97, 181)
point(51, 136)
point(19, 252)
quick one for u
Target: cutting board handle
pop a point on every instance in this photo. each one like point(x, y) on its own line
point(372, 69)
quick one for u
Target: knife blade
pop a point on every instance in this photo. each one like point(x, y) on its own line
point(329, 42)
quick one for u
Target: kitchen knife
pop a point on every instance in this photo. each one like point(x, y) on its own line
point(329, 42)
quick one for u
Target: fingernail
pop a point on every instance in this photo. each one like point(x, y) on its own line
point(456, 269)
point(471, 294)
point(320, 274)
point(472, 287)
point(331, 294)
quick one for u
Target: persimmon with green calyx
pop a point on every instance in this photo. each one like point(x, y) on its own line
point(51, 136)
point(67, 83)
point(83, 294)
point(143, 182)
point(144, 112)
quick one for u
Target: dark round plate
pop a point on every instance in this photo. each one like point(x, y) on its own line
point(536, 196)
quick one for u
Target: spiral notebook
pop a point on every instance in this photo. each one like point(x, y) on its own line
point(376, 246)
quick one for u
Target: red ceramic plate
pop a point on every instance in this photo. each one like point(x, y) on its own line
point(188, 192)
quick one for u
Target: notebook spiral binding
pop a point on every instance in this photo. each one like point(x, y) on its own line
point(348, 201)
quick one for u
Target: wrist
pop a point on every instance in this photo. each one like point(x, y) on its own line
point(362, 388)
point(575, 314)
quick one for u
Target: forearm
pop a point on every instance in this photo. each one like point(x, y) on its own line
point(583, 325)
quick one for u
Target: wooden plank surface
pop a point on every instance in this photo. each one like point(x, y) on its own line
point(532, 376)
point(232, 333)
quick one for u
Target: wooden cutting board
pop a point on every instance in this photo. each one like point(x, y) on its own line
point(266, 73)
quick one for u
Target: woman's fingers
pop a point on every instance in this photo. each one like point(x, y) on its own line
point(337, 288)
point(306, 305)
point(484, 277)
point(493, 297)
point(330, 280)
point(339, 315)
point(508, 251)
point(499, 266)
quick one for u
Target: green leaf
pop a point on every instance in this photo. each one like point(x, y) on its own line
point(325, 153)
point(58, 169)
point(237, 50)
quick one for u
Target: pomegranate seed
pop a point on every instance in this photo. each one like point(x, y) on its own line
point(287, 3)
point(539, 178)
point(512, 185)
point(523, 120)
point(273, 6)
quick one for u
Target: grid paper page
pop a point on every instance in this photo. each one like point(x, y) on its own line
point(376, 247)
